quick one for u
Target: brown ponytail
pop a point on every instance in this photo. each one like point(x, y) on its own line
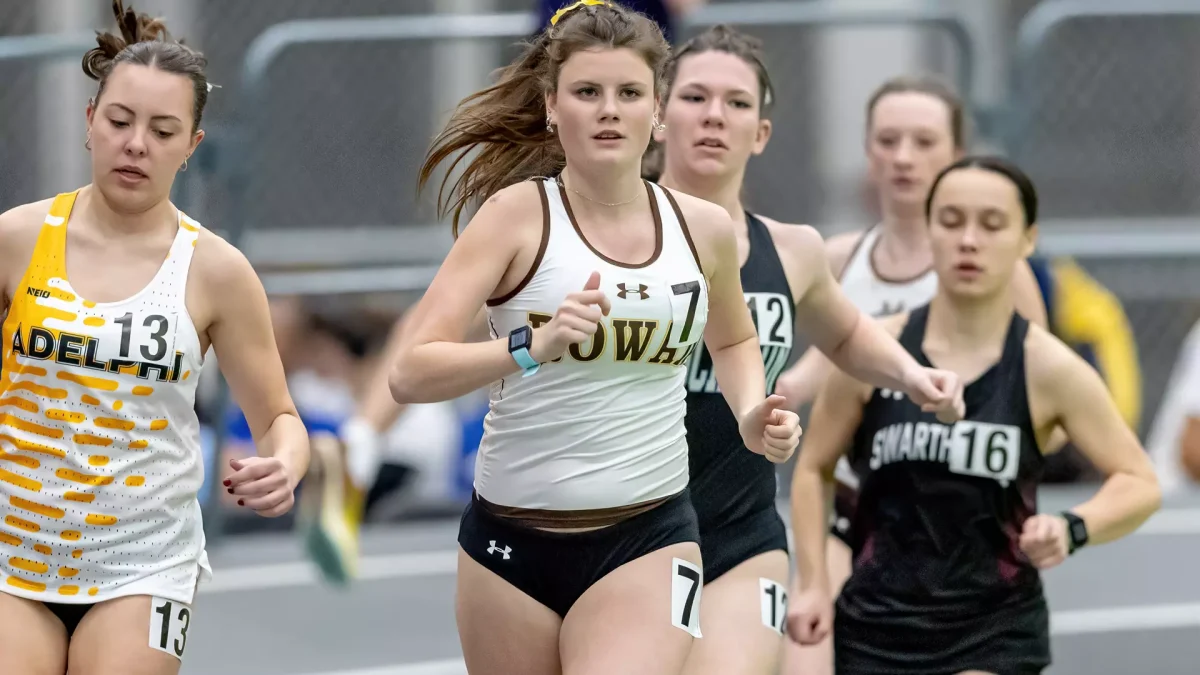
point(145, 41)
point(508, 119)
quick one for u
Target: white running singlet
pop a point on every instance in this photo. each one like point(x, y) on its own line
point(100, 458)
point(604, 425)
point(879, 296)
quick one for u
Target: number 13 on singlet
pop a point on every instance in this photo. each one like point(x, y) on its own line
point(985, 450)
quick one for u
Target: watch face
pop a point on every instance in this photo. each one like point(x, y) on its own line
point(518, 338)
point(1078, 531)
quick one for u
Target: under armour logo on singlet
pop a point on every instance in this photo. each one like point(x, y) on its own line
point(623, 292)
point(888, 309)
point(496, 549)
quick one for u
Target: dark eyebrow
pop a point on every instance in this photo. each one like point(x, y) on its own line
point(586, 83)
point(156, 117)
point(737, 91)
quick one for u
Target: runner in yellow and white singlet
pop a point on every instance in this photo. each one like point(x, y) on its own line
point(112, 297)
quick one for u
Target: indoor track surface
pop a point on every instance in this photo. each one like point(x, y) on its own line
point(1128, 607)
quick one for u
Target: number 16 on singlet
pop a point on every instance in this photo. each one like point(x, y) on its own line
point(985, 450)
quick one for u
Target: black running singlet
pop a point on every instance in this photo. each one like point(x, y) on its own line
point(728, 481)
point(939, 581)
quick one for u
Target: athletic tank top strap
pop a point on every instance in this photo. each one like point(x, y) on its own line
point(47, 270)
point(49, 259)
point(764, 268)
point(1007, 374)
point(913, 333)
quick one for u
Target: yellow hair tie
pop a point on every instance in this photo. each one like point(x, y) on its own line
point(566, 10)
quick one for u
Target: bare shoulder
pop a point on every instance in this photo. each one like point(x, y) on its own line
point(220, 265)
point(24, 221)
point(793, 236)
point(710, 228)
point(1057, 364)
point(517, 206)
point(840, 247)
point(703, 218)
point(19, 230)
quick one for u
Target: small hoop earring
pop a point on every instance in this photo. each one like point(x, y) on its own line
point(184, 165)
point(88, 143)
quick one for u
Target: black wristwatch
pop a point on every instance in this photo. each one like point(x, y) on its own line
point(1077, 534)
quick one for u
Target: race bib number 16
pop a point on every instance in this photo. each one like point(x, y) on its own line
point(985, 450)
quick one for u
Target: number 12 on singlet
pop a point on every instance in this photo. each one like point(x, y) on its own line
point(985, 450)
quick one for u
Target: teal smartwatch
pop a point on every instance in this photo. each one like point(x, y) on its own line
point(519, 342)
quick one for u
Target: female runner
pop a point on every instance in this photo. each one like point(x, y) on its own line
point(717, 117)
point(113, 297)
point(947, 538)
point(579, 551)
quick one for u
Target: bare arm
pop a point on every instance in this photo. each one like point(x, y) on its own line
point(836, 414)
point(846, 336)
point(729, 335)
point(801, 382)
point(434, 363)
point(19, 231)
point(244, 343)
point(1078, 400)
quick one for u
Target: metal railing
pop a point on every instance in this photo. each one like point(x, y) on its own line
point(272, 43)
point(1094, 115)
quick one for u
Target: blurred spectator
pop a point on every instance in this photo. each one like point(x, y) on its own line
point(1174, 440)
point(329, 359)
point(1091, 320)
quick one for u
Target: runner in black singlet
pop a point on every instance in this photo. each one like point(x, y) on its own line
point(947, 538)
point(717, 116)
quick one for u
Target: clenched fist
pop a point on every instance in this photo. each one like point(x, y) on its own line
point(1044, 540)
point(577, 320)
point(810, 616)
point(770, 429)
point(939, 391)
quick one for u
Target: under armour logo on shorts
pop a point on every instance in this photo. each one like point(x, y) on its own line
point(495, 549)
point(623, 292)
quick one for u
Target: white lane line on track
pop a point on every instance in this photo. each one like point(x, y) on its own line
point(1180, 521)
point(1073, 622)
point(283, 575)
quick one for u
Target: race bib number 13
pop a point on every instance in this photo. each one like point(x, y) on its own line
point(169, 621)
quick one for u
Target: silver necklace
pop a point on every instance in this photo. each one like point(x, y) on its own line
point(595, 201)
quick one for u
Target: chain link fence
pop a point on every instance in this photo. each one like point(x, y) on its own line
point(1106, 120)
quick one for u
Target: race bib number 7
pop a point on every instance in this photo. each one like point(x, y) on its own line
point(169, 621)
point(687, 580)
